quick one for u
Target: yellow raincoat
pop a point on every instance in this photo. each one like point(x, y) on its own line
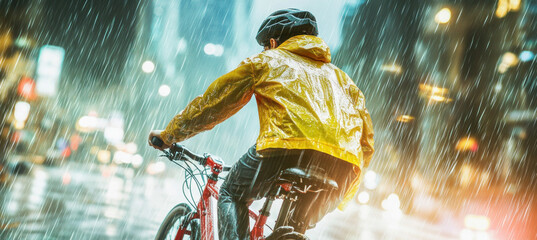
point(304, 102)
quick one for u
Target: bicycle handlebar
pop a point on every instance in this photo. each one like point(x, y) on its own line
point(176, 148)
point(183, 151)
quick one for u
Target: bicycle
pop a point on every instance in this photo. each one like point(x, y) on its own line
point(182, 220)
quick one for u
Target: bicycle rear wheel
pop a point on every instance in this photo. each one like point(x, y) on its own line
point(170, 226)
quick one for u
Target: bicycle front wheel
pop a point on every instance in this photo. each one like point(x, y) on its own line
point(169, 229)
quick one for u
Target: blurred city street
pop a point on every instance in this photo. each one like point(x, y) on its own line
point(72, 202)
point(450, 86)
point(78, 203)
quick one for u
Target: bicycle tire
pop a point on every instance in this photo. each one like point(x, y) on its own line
point(286, 233)
point(171, 222)
point(293, 236)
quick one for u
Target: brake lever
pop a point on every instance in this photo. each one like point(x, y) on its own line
point(174, 157)
point(179, 157)
point(167, 155)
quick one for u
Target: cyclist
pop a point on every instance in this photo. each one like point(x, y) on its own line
point(311, 115)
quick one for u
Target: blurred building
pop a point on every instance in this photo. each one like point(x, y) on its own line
point(451, 89)
point(440, 79)
point(377, 51)
point(17, 44)
point(95, 39)
point(524, 127)
point(187, 46)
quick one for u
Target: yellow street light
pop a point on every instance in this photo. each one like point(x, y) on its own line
point(514, 5)
point(437, 98)
point(405, 118)
point(509, 59)
point(391, 68)
point(502, 9)
point(443, 16)
point(506, 6)
point(467, 144)
point(434, 93)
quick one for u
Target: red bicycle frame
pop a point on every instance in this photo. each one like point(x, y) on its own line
point(205, 208)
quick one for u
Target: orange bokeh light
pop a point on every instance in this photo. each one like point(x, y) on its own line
point(467, 144)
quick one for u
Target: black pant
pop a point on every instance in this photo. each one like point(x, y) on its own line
point(251, 179)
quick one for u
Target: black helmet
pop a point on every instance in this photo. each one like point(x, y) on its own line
point(286, 23)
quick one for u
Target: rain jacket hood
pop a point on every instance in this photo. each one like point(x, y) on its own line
point(304, 102)
point(308, 46)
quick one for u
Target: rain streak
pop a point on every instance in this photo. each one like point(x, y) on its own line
point(451, 87)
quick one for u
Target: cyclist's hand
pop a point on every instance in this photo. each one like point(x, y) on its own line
point(156, 133)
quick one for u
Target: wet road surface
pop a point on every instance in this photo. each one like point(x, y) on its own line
point(95, 202)
point(78, 203)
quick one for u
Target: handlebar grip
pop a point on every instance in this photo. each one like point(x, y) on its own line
point(157, 142)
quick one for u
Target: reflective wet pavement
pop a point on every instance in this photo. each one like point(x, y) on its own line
point(92, 202)
point(80, 203)
point(367, 223)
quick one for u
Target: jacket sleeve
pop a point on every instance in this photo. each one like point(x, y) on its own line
point(367, 140)
point(224, 97)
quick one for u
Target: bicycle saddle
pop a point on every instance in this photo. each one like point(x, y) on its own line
point(302, 178)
